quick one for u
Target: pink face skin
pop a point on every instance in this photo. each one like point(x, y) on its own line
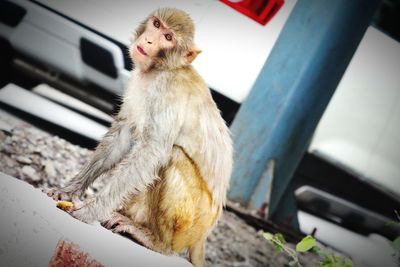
point(156, 37)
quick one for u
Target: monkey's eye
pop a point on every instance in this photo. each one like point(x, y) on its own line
point(168, 36)
point(156, 23)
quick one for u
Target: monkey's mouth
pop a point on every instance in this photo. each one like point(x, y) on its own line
point(141, 51)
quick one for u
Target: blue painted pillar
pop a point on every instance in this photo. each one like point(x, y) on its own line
point(274, 125)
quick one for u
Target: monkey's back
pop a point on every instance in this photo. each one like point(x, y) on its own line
point(178, 209)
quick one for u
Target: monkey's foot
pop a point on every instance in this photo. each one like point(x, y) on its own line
point(138, 234)
point(124, 225)
point(117, 219)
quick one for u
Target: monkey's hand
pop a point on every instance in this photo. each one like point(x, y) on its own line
point(60, 194)
point(88, 211)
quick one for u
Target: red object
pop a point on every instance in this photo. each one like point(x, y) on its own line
point(68, 254)
point(261, 11)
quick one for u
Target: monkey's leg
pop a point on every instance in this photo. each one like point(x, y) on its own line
point(137, 169)
point(196, 253)
point(114, 145)
point(125, 225)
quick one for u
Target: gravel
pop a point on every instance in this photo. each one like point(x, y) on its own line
point(44, 161)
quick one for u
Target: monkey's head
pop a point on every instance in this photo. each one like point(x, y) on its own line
point(164, 41)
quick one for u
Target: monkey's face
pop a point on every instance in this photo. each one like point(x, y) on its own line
point(152, 44)
point(164, 41)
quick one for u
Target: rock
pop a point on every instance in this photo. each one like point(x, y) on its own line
point(50, 169)
point(24, 160)
point(8, 161)
point(31, 173)
point(5, 128)
point(3, 136)
point(8, 148)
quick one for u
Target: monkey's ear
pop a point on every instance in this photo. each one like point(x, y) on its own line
point(192, 54)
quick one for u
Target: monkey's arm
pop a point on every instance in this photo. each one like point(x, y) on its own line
point(139, 168)
point(112, 148)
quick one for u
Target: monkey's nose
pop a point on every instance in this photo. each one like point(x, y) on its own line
point(149, 42)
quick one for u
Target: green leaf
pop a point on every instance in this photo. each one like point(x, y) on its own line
point(348, 263)
point(336, 261)
point(278, 247)
point(336, 258)
point(327, 261)
point(280, 238)
point(268, 236)
point(317, 250)
point(327, 264)
point(396, 243)
point(292, 263)
point(277, 240)
point(306, 244)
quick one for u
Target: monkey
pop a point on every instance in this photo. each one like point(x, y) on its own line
point(167, 157)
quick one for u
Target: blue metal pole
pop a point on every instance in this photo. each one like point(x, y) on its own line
point(280, 114)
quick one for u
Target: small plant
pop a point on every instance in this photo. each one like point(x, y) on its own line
point(279, 243)
point(307, 244)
